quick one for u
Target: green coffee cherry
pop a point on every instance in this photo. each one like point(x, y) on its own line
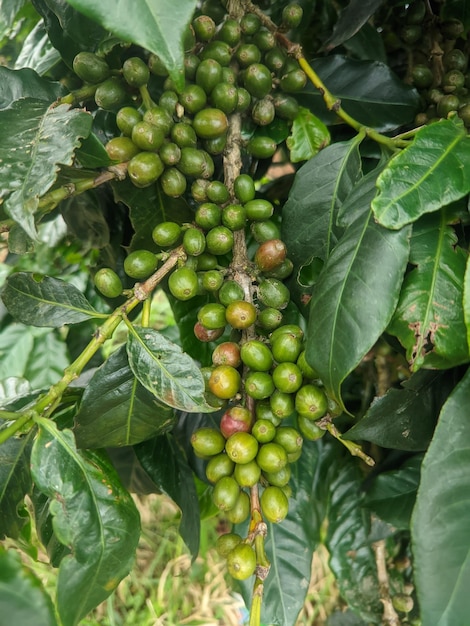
point(147, 136)
point(311, 402)
point(309, 429)
point(225, 493)
point(259, 209)
point(241, 510)
point(263, 430)
point(218, 466)
point(241, 561)
point(210, 123)
point(289, 438)
point(173, 182)
point(121, 149)
point(269, 319)
point(183, 283)
point(90, 67)
point(230, 32)
point(166, 234)
point(271, 457)
point(111, 94)
point(240, 314)
point(126, 119)
point(287, 377)
point(226, 543)
point(247, 474)
point(259, 385)
point(207, 442)
point(193, 98)
point(108, 282)
point(234, 217)
point(257, 80)
point(159, 117)
point(136, 72)
point(208, 215)
point(273, 293)
point(274, 504)
point(225, 382)
point(231, 291)
point(256, 355)
point(217, 192)
point(241, 447)
point(197, 163)
point(282, 404)
point(145, 168)
point(212, 315)
point(218, 50)
point(204, 27)
point(219, 240)
point(139, 264)
point(224, 97)
point(244, 188)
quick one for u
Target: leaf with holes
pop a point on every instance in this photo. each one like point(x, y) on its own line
point(166, 371)
point(29, 166)
point(429, 320)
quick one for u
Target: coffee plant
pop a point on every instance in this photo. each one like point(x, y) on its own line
point(294, 180)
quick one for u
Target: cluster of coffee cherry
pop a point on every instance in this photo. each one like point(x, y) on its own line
point(259, 378)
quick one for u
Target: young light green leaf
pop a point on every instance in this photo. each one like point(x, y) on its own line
point(22, 597)
point(40, 300)
point(93, 515)
point(308, 136)
point(116, 410)
point(441, 518)
point(429, 320)
point(15, 483)
point(319, 189)
point(28, 168)
point(348, 314)
point(431, 173)
point(152, 24)
point(166, 371)
point(165, 463)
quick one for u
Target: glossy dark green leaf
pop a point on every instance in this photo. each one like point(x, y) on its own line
point(28, 168)
point(440, 520)
point(429, 320)
point(431, 173)
point(348, 314)
point(92, 153)
point(85, 216)
point(26, 83)
point(148, 207)
point(392, 495)
point(69, 31)
point(308, 136)
point(348, 541)
point(368, 90)
point(367, 45)
point(166, 371)
point(22, 598)
point(404, 419)
point(15, 483)
point(152, 24)
point(361, 195)
point(116, 410)
point(45, 301)
point(350, 20)
point(165, 463)
point(93, 515)
point(319, 189)
point(38, 53)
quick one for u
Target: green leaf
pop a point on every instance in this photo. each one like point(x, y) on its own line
point(152, 24)
point(49, 137)
point(348, 541)
point(38, 54)
point(319, 189)
point(11, 387)
point(22, 597)
point(9, 10)
point(440, 521)
point(85, 216)
point(15, 483)
point(308, 136)
point(429, 320)
point(47, 359)
point(392, 495)
point(165, 463)
point(148, 207)
point(351, 19)
point(431, 173)
point(166, 371)
point(26, 83)
point(93, 515)
point(69, 31)
point(42, 300)
point(404, 419)
point(354, 298)
point(116, 410)
point(368, 91)
point(92, 153)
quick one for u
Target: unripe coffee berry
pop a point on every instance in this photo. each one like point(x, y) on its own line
point(241, 561)
point(241, 447)
point(207, 442)
point(108, 282)
point(240, 314)
point(274, 504)
point(225, 382)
